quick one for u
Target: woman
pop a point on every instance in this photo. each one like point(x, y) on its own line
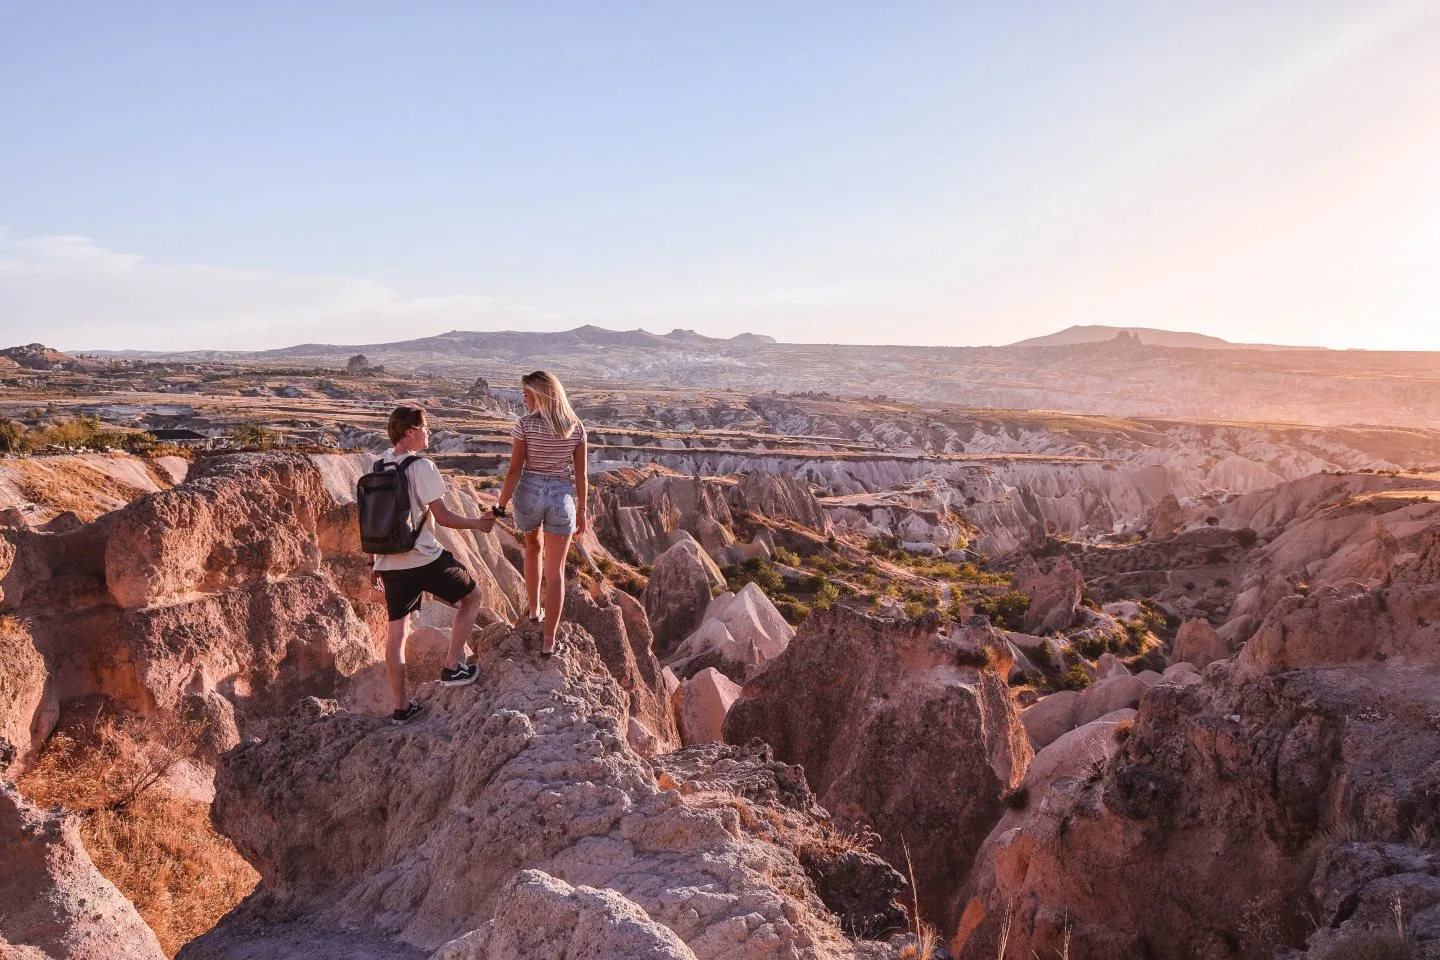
point(547, 479)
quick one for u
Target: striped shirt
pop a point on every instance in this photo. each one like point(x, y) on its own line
point(546, 453)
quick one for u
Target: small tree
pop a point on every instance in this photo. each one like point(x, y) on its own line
point(357, 364)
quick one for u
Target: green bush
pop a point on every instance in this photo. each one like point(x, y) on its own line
point(913, 609)
point(825, 597)
point(1043, 657)
point(793, 611)
point(788, 557)
point(81, 432)
point(1076, 678)
point(1005, 610)
point(1093, 647)
point(756, 570)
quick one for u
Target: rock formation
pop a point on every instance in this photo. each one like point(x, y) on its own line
point(1196, 642)
point(899, 729)
point(636, 513)
point(702, 703)
point(1054, 596)
point(54, 904)
point(677, 594)
point(779, 497)
point(740, 632)
point(374, 840)
point(617, 624)
point(1225, 821)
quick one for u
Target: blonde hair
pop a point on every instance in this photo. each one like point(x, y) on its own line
point(553, 406)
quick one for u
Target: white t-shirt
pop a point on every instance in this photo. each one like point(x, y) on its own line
point(426, 486)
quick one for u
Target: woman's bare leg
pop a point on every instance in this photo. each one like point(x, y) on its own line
point(557, 547)
point(532, 571)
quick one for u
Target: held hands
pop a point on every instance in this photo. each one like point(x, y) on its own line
point(485, 524)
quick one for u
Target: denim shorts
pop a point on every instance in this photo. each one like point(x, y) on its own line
point(542, 500)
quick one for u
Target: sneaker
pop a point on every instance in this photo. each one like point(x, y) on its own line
point(461, 675)
point(409, 712)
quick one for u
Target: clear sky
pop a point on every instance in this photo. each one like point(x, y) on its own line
point(250, 175)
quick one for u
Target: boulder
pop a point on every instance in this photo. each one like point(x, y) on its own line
point(740, 633)
point(1051, 717)
point(1055, 715)
point(54, 903)
point(899, 730)
point(1197, 643)
point(1054, 596)
point(703, 702)
point(676, 595)
point(375, 841)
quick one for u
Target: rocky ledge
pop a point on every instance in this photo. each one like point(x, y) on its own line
point(512, 819)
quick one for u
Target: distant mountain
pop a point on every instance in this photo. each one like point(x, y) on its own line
point(1098, 333)
point(1147, 336)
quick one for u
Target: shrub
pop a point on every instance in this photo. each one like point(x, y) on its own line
point(825, 597)
point(793, 611)
point(756, 570)
point(1222, 582)
point(1076, 678)
point(1215, 556)
point(11, 436)
point(1123, 729)
point(1043, 656)
point(1371, 945)
point(1093, 647)
point(1004, 610)
point(913, 609)
point(788, 557)
point(160, 850)
point(251, 436)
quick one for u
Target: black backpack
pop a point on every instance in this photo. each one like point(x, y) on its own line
point(383, 496)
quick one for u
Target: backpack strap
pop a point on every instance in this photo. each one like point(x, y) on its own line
point(401, 468)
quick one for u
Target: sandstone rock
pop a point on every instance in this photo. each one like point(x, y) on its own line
point(399, 840)
point(896, 731)
point(237, 520)
point(54, 904)
point(779, 497)
point(29, 706)
point(538, 917)
point(1165, 520)
point(1214, 807)
point(635, 513)
point(860, 888)
point(740, 633)
point(1054, 596)
point(1052, 717)
point(676, 596)
point(1196, 642)
point(704, 700)
point(617, 624)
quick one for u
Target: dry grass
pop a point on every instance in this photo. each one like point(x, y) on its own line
point(160, 850)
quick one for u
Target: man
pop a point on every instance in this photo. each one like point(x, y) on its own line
point(427, 567)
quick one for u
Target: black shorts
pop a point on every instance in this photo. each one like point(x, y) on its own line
point(444, 578)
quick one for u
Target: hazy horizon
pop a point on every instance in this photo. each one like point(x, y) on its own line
point(181, 178)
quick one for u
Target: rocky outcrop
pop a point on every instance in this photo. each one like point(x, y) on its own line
point(1055, 715)
point(739, 634)
point(1165, 519)
point(702, 703)
point(1196, 642)
point(29, 706)
point(54, 904)
point(1054, 595)
point(899, 729)
point(676, 595)
point(542, 918)
point(779, 497)
point(635, 513)
point(1394, 624)
point(403, 840)
point(617, 624)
